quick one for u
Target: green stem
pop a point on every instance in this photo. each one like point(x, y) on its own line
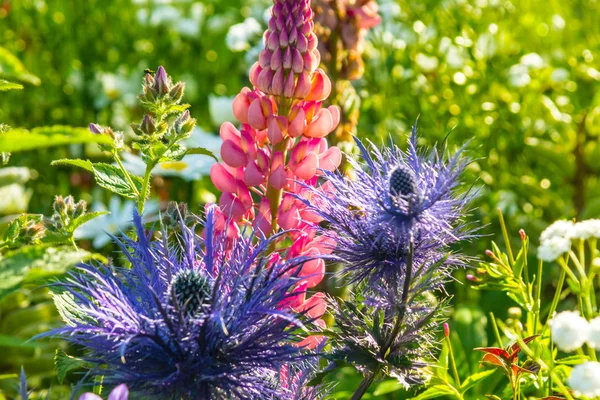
point(275, 195)
point(453, 362)
point(146, 182)
point(363, 387)
point(127, 176)
point(559, 286)
point(505, 235)
point(496, 331)
point(538, 298)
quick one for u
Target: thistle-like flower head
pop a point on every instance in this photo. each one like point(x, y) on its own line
point(202, 322)
point(395, 197)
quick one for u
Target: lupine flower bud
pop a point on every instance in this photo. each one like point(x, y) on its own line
point(162, 83)
point(176, 93)
point(522, 234)
point(290, 58)
point(489, 253)
point(446, 329)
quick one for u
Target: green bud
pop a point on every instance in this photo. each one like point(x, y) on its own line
point(176, 93)
point(59, 206)
point(80, 209)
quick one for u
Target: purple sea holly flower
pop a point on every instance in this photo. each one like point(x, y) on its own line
point(395, 197)
point(200, 322)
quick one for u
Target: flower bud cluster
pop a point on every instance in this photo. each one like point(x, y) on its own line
point(66, 212)
point(570, 331)
point(556, 239)
point(25, 230)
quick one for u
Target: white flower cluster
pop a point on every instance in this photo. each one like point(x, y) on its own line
point(570, 331)
point(585, 379)
point(556, 239)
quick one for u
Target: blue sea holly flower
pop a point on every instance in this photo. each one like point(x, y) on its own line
point(395, 197)
point(202, 322)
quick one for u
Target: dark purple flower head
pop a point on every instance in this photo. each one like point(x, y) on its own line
point(202, 322)
point(393, 198)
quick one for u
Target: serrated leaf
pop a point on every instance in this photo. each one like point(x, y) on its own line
point(77, 222)
point(202, 151)
point(388, 386)
point(6, 86)
point(65, 363)
point(474, 379)
point(85, 164)
point(22, 139)
point(30, 263)
point(67, 308)
point(112, 178)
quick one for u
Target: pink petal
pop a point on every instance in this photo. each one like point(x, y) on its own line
point(298, 124)
point(289, 219)
point(321, 86)
point(278, 178)
point(274, 131)
point(232, 206)
point(307, 168)
point(233, 155)
point(315, 306)
point(331, 159)
point(222, 179)
point(253, 176)
point(321, 124)
point(303, 85)
point(230, 132)
point(256, 118)
point(335, 115)
point(240, 106)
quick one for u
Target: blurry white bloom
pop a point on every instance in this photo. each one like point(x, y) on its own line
point(558, 21)
point(594, 333)
point(518, 75)
point(165, 15)
point(585, 379)
point(532, 60)
point(119, 220)
point(454, 57)
point(221, 109)
point(187, 27)
point(586, 229)
point(427, 63)
point(559, 75)
point(569, 330)
point(558, 229)
point(14, 199)
point(239, 35)
point(549, 250)
point(15, 175)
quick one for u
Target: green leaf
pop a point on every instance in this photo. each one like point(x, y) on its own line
point(475, 379)
point(11, 341)
point(77, 222)
point(22, 140)
point(388, 386)
point(434, 392)
point(202, 151)
point(31, 263)
point(112, 178)
point(6, 86)
point(85, 164)
point(12, 68)
point(65, 363)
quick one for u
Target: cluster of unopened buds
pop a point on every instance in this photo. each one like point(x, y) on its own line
point(281, 149)
point(348, 20)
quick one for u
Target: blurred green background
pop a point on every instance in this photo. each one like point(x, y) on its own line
point(518, 78)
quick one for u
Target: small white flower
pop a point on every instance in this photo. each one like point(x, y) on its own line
point(14, 199)
point(585, 379)
point(561, 228)
point(586, 229)
point(221, 109)
point(569, 330)
point(119, 220)
point(553, 248)
point(594, 333)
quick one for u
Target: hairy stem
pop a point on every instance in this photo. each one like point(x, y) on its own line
point(146, 182)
